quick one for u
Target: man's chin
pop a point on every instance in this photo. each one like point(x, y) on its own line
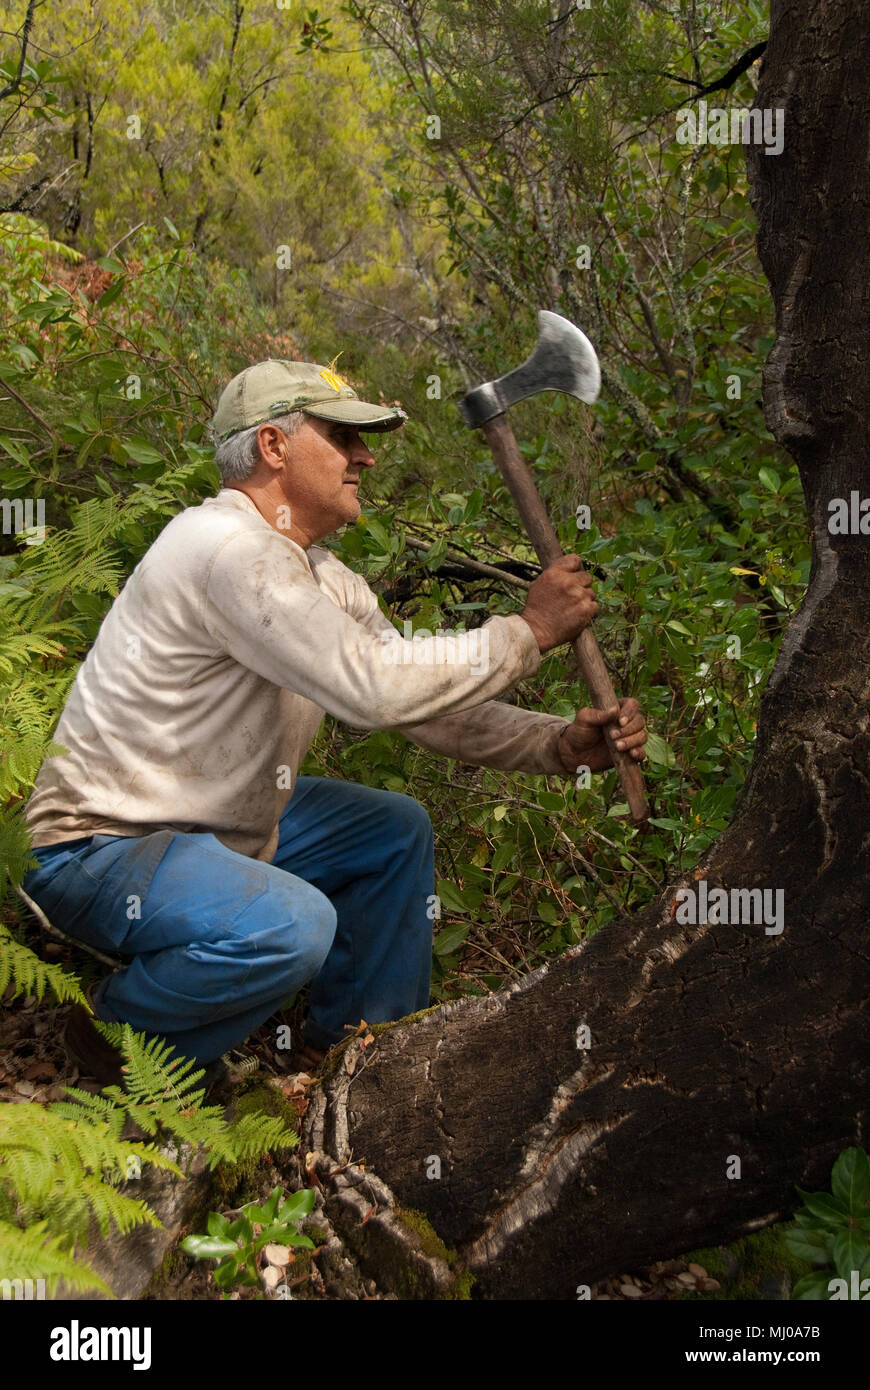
point(349, 514)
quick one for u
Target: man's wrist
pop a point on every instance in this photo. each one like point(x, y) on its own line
point(595, 760)
point(563, 749)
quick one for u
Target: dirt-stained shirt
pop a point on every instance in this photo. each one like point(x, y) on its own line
point(213, 668)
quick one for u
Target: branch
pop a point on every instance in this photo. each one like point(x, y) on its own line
point(727, 79)
point(23, 403)
point(477, 566)
point(25, 39)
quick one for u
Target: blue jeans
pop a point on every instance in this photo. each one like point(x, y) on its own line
point(218, 941)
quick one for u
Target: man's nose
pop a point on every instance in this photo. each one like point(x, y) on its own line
point(361, 453)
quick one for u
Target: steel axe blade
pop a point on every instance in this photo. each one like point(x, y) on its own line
point(563, 360)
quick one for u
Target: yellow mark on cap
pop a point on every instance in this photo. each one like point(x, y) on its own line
point(332, 378)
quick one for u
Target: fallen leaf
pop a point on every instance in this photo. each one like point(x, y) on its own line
point(47, 1070)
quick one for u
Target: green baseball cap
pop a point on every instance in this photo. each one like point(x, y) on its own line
point(277, 386)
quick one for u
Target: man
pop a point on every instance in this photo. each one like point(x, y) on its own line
point(175, 831)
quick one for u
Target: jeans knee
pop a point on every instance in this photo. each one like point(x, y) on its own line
point(411, 820)
point(316, 934)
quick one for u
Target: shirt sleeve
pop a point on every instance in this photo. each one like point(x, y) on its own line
point(496, 735)
point(262, 605)
point(493, 733)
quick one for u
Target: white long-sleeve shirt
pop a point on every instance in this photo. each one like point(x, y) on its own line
point(213, 668)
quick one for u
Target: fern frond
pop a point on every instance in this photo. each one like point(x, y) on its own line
point(71, 1209)
point(37, 1144)
point(152, 1073)
point(161, 1095)
point(255, 1134)
point(30, 975)
point(35, 1254)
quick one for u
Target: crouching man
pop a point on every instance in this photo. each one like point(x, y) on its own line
point(175, 831)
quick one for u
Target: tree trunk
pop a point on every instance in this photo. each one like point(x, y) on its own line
point(726, 1063)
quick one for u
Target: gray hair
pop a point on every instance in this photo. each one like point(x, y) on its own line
point(239, 455)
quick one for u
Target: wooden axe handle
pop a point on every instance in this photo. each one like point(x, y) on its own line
point(515, 471)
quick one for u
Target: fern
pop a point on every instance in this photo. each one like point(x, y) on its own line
point(50, 1160)
point(30, 975)
point(35, 1254)
point(161, 1096)
point(61, 1165)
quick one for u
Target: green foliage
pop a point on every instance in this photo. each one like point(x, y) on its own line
point(235, 1245)
point(832, 1229)
point(35, 1254)
point(23, 968)
point(62, 1164)
point(160, 1095)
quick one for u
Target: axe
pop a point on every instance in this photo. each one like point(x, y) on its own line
point(563, 360)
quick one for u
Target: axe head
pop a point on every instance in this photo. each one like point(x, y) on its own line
point(563, 360)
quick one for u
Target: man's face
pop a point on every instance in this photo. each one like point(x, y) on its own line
point(321, 475)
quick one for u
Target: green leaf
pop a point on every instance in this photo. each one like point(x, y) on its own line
point(503, 856)
point(295, 1239)
point(216, 1224)
point(808, 1222)
point(812, 1287)
point(299, 1205)
point(851, 1249)
point(658, 751)
point(452, 898)
point(450, 939)
point(376, 529)
point(226, 1274)
point(833, 1213)
point(815, 1246)
point(850, 1180)
point(109, 296)
point(269, 1210)
point(209, 1247)
point(678, 627)
point(141, 451)
point(770, 478)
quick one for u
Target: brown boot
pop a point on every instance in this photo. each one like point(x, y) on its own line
point(97, 1058)
point(87, 1047)
point(305, 1058)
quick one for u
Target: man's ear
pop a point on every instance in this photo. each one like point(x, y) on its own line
point(272, 447)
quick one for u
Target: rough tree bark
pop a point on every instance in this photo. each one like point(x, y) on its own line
point(560, 1165)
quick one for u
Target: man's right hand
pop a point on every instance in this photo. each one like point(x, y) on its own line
point(561, 603)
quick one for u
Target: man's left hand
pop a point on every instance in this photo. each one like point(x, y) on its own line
point(583, 743)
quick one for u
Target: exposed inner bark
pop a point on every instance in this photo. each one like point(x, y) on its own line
point(716, 1049)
